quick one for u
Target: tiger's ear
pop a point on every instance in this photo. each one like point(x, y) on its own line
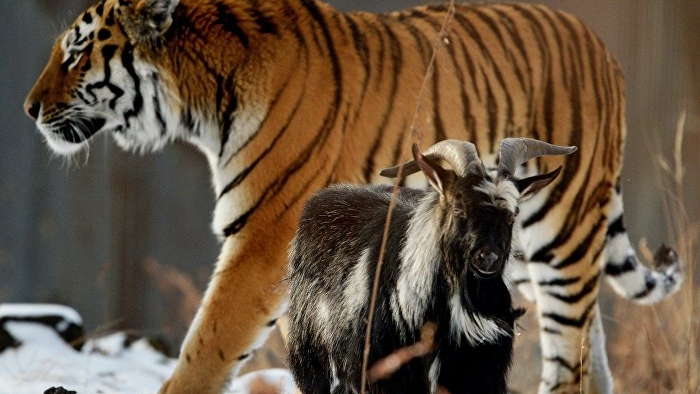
point(145, 21)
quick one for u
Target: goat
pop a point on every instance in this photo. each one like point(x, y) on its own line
point(443, 263)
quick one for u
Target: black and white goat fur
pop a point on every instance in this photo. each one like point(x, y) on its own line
point(443, 263)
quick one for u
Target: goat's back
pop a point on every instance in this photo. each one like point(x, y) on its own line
point(346, 219)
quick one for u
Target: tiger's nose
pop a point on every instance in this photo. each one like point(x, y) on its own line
point(32, 110)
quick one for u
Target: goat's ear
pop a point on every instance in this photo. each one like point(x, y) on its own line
point(146, 20)
point(531, 185)
point(437, 176)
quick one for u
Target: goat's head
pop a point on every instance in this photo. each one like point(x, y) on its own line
point(477, 211)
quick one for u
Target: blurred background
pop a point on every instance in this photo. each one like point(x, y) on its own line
point(126, 239)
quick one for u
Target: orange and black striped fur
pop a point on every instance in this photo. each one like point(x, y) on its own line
point(286, 96)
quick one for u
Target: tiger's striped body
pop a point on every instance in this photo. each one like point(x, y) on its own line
point(286, 96)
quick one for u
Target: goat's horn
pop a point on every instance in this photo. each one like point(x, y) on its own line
point(516, 151)
point(458, 154)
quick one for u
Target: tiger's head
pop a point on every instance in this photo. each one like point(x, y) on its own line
point(99, 79)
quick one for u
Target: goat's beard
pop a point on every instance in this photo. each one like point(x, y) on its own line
point(476, 291)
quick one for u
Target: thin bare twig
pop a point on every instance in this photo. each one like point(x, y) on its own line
point(384, 368)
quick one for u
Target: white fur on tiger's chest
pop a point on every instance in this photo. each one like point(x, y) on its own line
point(228, 164)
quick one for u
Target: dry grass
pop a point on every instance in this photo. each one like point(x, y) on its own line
point(655, 350)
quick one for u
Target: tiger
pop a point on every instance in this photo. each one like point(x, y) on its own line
point(284, 97)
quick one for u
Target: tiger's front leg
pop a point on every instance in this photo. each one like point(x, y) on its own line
point(244, 298)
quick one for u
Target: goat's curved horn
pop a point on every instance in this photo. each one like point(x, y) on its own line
point(458, 154)
point(516, 151)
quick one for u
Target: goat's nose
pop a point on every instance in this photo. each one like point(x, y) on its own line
point(32, 109)
point(487, 261)
point(488, 256)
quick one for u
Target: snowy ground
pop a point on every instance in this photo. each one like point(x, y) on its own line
point(34, 357)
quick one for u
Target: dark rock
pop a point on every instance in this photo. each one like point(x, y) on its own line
point(58, 390)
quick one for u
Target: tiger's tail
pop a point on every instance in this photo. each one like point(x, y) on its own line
point(626, 274)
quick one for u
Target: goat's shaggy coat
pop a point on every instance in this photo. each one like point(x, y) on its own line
point(331, 287)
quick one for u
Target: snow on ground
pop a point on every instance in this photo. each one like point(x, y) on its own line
point(113, 364)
